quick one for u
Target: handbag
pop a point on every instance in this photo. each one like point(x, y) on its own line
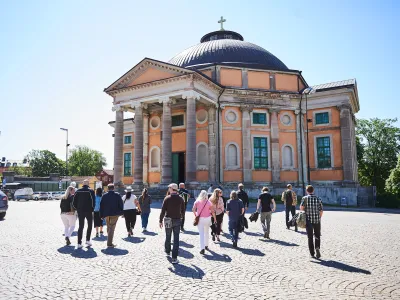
point(197, 218)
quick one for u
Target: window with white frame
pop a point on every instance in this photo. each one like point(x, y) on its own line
point(232, 156)
point(202, 155)
point(154, 158)
point(259, 117)
point(287, 157)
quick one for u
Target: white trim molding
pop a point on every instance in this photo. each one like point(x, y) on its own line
point(262, 111)
point(268, 151)
point(237, 166)
point(316, 154)
point(202, 166)
point(206, 118)
point(151, 120)
point(292, 153)
point(151, 168)
point(226, 112)
point(329, 111)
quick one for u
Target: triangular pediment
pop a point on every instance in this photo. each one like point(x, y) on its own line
point(148, 70)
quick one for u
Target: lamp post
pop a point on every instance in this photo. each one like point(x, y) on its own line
point(308, 91)
point(66, 152)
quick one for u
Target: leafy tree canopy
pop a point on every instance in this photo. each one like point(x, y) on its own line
point(377, 150)
point(24, 171)
point(44, 162)
point(84, 161)
point(393, 182)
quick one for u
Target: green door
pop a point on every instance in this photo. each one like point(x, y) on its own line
point(175, 167)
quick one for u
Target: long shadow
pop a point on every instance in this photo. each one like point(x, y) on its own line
point(100, 238)
point(150, 233)
point(190, 232)
point(252, 252)
point(217, 257)
point(66, 249)
point(341, 266)
point(188, 272)
point(186, 245)
point(115, 251)
point(81, 253)
point(253, 233)
point(134, 239)
point(282, 243)
point(186, 254)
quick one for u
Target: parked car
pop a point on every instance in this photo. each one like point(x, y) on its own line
point(58, 195)
point(23, 194)
point(40, 196)
point(3, 205)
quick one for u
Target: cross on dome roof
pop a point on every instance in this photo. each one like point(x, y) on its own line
point(221, 21)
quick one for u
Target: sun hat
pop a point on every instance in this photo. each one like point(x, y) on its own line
point(128, 189)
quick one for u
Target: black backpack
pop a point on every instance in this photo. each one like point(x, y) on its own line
point(289, 197)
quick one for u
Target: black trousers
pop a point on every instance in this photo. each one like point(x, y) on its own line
point(313, 230)
point(183, 217)
point(216, 230)
point(130, 219)
point(289, 209)
point(81, 217)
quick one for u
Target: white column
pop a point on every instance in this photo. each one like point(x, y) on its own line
point(212, 142)
point(166, 143)
point(246, 143)
point(118, 142)
point(145, 146)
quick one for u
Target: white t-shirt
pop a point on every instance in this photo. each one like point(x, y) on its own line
point(129, 203)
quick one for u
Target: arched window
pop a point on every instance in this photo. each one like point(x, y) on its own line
point(287, 156)
point(154, 158)
point(232, 156)
point(202, 156)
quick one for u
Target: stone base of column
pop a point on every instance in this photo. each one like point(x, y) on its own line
point(192, 185)
point(138, 186)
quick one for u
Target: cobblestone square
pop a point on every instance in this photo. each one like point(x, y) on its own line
point(360, 259)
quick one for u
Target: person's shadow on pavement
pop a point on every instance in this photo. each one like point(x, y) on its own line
point(341, 266)
point(185, 271)
point(114, 251)
point(82, 253)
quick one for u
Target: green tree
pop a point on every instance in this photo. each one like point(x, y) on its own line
point(393, 182)
point(84, 161)
point(24, 171)
point(380, 141)
point(44, 162)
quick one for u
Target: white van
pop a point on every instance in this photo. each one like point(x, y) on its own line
point(25, 193)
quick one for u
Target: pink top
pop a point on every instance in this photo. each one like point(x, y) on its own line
point(219, 209)
point(203, 207)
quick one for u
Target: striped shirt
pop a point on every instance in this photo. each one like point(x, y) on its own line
point(312, 206)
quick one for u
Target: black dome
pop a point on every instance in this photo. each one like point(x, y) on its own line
point(227, 48)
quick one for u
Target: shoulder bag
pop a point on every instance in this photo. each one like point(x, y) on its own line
point(197, 218)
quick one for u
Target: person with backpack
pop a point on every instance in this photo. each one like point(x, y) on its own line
point(289, 199)
point(312, 206)
point(184, 193)
point(234, 210)
point(242, 195)
point(265, 200)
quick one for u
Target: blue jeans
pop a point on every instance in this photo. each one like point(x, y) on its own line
point(145, 219)
point(176, 226)
point(233, 230)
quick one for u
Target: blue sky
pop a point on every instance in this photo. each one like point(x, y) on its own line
point(58, 56)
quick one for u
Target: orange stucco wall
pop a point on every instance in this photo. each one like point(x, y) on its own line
point(322, 175)
point(289, 176)
point(262, 176)
point(286, 82)
point(301, 85)
point(234, 175)
point(151, 74)
point(154, 177)
point(207, 73)
point(337, 147)
point(127, 180)
point(335, 117)
point(202, 176)
point(231, 77)
point(258, 80)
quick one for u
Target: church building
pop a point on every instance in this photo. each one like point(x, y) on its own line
point(227, 111)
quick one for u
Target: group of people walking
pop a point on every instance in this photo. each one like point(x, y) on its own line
point(84, 204)
point(208, 209)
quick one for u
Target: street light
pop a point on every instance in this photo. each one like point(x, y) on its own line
point(66, 152)
point(306, 92)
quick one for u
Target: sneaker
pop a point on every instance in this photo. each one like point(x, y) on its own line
point(97, 234)
point(89, 243)
point(312, 256)
point(79, 246)
point(129, 234)
point(111, 246)
point(218, 238)
point(213, 238)
point(265, 235)
point(67, 241)
point(167, 253)
point(175, 261)
point(202, 251)
point(101, 232)
point(234, 244)
point(182, 229)
point(296, 229)
point(206, 247)
point(318, 253)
